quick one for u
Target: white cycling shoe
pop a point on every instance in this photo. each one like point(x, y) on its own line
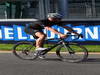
point(42, 57)
point(40, 49)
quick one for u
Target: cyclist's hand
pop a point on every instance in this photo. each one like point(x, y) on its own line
point(80, 35)
point(63, 36)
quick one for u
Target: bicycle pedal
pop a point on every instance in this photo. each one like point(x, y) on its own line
point(41, 56)
point(37, 53)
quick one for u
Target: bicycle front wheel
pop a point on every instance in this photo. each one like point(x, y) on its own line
point(24, 50)
point(72, 52)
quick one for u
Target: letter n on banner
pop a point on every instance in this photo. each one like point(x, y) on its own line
point(92, 33)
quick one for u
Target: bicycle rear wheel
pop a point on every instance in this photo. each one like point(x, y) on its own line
point(24, 50)
point(72, 52)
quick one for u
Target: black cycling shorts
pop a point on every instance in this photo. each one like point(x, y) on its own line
point(32, 31)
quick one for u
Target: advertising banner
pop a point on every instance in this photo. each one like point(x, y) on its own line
point(15, 32)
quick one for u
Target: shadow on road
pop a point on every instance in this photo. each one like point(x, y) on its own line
point(52, 59)
point(92, 61)
point(88, 61)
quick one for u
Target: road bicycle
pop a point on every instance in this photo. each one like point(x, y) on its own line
point(66, 50)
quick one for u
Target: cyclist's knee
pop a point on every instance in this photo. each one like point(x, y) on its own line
point(43, 36)
point(40, 35)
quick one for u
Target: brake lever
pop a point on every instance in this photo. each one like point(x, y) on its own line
point(80, 35)
point(76, 36)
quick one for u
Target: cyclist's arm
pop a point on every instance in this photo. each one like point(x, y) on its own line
point(53, 30)
point(70, 29)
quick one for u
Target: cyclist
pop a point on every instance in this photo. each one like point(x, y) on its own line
point(35, 29)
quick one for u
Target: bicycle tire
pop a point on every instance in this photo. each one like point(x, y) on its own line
point(24, 50)
point(72, 50)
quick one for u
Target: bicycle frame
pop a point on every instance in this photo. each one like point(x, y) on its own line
point(60, 41)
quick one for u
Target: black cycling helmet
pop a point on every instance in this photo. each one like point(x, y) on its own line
point(54, 15)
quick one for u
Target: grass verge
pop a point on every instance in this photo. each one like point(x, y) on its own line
point(91, 48)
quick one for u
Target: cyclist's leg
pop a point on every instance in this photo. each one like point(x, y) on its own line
point(39, 36)
point(40, 40)
point(39, 43)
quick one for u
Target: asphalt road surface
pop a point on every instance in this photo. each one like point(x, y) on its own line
point(11, 65)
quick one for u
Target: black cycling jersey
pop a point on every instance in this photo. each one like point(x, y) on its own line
point(42, 23)
point(39, 25)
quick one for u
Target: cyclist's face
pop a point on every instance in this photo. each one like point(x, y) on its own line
point(54, 19)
